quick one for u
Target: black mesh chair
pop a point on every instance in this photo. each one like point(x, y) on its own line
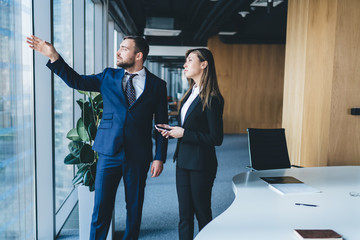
point(268, 149)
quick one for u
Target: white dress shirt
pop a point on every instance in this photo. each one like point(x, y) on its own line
point(138, 81)
point(194, 93)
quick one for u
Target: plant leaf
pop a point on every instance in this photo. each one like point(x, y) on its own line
point(99, 105)
point(83, 92)
point(80, 165)
point(81, 102)
point(87, 111)
point(75, 148)
point(73, 135)
point(81, 130)
point(98, 98)
point(71, 159)
point(93, 169)
point(92, 130)
point(93, 174)
point(79, 176)
point(88, 178)
point(87, 154)
point(83, 167)
point(88, 114)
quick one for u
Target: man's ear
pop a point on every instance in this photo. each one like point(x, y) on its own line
point(139, 56)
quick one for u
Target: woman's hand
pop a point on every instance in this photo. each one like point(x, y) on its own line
point(43, 47)
point(168, 131)
point(175, 132)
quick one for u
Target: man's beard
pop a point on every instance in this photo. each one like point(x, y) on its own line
point(126, 65)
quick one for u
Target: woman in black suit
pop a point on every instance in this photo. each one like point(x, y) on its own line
point(200, 130)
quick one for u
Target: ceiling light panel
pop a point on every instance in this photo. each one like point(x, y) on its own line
point(161, 32)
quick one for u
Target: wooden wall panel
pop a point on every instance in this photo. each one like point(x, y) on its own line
point(294, 77)
point(344, 146)
point(251, 80)
point(318, 82)
point(322, 77)
point(224, 74)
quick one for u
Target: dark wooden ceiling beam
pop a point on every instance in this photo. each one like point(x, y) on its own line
point(196, 10)
point(217, 14)
point(121, 16)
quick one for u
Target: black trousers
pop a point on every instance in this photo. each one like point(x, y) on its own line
point(194, 196)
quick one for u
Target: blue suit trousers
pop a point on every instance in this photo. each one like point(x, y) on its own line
point(109, 171)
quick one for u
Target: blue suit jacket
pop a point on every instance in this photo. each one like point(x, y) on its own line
point(123, 127)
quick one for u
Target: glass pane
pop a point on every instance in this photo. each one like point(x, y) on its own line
point(63, 100)
point(89, 37)
point(116, 47)
point(17, 189)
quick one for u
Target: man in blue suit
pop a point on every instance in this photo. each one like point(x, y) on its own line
point(132, 98)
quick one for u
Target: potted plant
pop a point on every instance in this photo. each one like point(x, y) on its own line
point(81, 154)
point(82, 138)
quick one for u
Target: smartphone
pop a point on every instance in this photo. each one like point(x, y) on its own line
point(162, 128)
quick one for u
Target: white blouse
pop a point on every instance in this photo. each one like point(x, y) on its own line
point(194, 93)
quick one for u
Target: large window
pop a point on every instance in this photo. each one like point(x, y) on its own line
point(89, 37)
point(17, 189)
point(116, 47)
point(63, 99)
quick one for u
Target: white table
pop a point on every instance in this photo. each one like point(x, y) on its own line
point(259, 212)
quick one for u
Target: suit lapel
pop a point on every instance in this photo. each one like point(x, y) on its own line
point(118, 81)
point(191, 108)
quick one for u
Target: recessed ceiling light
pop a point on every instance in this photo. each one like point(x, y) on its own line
point(161, 32)
point(227, 33)
point(243, 13)
point(264, 3)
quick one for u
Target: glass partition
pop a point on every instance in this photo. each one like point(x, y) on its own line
point(170, 69)
point(89, 37)
point(17, 188)
point(63, 99)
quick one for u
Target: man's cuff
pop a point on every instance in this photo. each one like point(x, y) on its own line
point(54, 65)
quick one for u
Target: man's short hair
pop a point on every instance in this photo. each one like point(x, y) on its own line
point(141, 45)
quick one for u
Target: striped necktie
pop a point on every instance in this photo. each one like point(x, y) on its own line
point(130, 90)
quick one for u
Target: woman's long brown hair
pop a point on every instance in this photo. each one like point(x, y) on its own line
point(208, 82)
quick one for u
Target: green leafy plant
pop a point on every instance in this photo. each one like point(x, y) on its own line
point(82, 138)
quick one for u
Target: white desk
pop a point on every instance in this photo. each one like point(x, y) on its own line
point(260, 213)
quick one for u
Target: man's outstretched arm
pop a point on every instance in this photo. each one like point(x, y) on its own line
point(62, 69)
point(43, 47)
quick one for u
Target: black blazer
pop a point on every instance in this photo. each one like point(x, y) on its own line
point(203, 130)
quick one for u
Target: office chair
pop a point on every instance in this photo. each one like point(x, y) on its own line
point(268, 149)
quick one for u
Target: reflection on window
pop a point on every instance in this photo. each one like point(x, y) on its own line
point(63, 99)
point(17, 190)
point(89, 37)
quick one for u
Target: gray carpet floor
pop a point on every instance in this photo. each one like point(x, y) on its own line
point(160, 214)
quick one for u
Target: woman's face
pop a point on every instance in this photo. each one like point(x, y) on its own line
point(193, 67)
